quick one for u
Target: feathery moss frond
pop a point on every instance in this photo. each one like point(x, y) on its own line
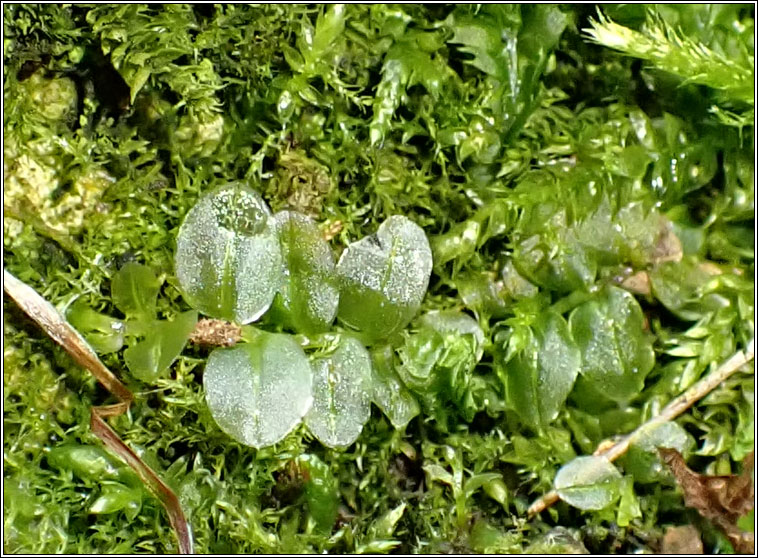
point(669, 50)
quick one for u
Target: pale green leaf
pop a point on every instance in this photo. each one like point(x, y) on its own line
point(308, 294)
point(384, 278)
point(588, 482)
point(258, 392)
point(135, 291)
point(617, 353)
point(228, 260)
point(388, 392)
point(341, 383)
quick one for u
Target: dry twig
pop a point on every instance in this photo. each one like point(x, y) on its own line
point(669, 412)
point(56, 326)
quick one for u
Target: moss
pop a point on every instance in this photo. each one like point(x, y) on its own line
point(498, 129)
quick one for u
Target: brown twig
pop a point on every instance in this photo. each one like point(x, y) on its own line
point(173, 507)
point(56, 326)
point(669, 412)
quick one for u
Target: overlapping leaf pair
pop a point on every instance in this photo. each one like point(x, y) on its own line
point(236, 261)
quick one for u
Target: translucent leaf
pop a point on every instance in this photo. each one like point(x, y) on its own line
point(86, 462)
point(105, 334)
point(384, 278)
point(678, 286)
point(135, 291)
point(437, 364)
point(588, 483)
point(540, 377)
point(341, 383)
point(388, 392)
point(385, 525)
point(164, 342)
point(228, 260)
point(91, 463)
point(116, 497)
point(308, 293)
point(617, 354)
point(439, 473)
point(420, 360)
point(667, 435)
point(642, 460)
point(258, 392)
point(629, 505)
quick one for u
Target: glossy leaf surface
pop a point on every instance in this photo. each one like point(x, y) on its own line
point(384, 278)
point(341, 384)
point(150, 357)
point(258, 392)
point(539, 378)
point(308, 293)
point(588, 483)
point(227, 259)
point(616, 351)
point(388, 392)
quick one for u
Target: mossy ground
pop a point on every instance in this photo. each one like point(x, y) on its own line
point(117, 117)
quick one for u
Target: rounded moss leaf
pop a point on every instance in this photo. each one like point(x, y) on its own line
point(341, 384)
point(617, 353)
point(588, 483)
point(308, 291)
point(541, 375)
point(152, 356)
point(258, 392)
point(135, 291)
point(384, 278)
point(642, 460)
point(388, 391)
point(228, 260)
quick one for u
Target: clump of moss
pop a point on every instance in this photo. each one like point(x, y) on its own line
point(542, 181)
point(300, 183)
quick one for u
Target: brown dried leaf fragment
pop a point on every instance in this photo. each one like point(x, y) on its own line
point(668, 247)
point(215, 333)
point(639, 283)
point(684, 539)
point(721, 499)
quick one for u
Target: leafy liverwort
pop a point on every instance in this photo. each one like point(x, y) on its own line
point(384, 278)
point(258, 392)
point(228, 259)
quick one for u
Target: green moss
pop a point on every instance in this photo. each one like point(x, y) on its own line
point(542, 167)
